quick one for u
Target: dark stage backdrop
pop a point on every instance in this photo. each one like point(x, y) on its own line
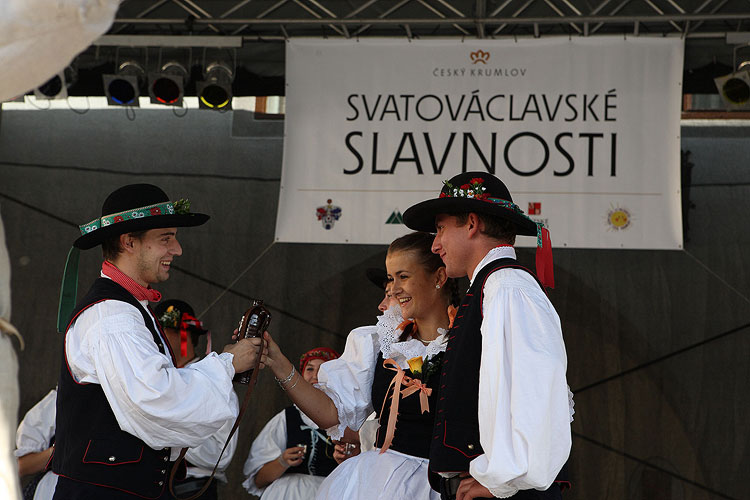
point(658, 341)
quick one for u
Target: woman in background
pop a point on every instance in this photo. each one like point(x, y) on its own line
point(291, 456)
point(34, 439)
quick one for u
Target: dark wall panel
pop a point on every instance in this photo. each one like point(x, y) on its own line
point(658, 342)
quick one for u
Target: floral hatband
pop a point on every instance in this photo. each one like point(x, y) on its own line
point(179, 207)
point(476, 191)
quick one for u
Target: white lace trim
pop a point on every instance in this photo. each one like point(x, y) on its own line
point(400, 352)
point(387, 327)
point(571, 404)
point(337, 431)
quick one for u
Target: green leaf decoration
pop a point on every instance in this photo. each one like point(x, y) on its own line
point(182, 206)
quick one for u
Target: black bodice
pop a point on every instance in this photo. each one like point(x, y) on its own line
point(318, 459)
point(413, 429)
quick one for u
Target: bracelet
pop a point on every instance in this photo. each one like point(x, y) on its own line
point(293, 385)
point(283, 462)
point(283, 382)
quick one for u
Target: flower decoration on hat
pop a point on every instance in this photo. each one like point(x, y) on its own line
point(473, 189)
point(170, 318)
point(181, 206)
point(183, 322)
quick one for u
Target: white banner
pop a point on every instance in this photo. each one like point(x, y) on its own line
point(584, 132)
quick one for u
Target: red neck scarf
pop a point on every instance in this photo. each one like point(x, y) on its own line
point(138, 291)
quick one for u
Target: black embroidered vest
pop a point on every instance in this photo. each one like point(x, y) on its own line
point(90, 446)
point(413, 428)
point(318, 459)
point(455, 440)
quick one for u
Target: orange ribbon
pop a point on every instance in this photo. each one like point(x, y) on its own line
point(412, 385)
point(451, 315)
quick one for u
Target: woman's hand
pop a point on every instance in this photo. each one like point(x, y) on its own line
point(271, 471)
point(274, 352)
point(275, 359)
point(343, 451)
point(292, 457)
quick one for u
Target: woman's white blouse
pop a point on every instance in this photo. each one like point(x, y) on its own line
point(348, 379)
point(34, 434)
point(268, 446)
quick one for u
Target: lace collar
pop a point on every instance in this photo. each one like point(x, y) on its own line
point(390, 347)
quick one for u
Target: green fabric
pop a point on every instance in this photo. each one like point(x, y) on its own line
point(68, 290)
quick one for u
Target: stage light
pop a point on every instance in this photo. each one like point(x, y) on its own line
point(734, 88)
point(124, 87)
point(57, 86)
point(54, 88)
point(215, 91)
point(167, 86)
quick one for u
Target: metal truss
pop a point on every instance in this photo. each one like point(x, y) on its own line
point(255, 20)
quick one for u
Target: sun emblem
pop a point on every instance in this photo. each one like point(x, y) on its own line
point(619, 218)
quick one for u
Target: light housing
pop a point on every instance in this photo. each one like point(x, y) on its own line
point(124, 87)
point(215, 91)
point(734, 89)
point(168, 85)
point(56, 87)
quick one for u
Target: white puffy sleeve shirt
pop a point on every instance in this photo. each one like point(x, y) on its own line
point(38, 426)
point(34, 434)
point(524, 408)
point(204, 456)
point(162, 405)
point(347, 380)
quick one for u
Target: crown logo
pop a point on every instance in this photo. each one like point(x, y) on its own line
point(479, 56)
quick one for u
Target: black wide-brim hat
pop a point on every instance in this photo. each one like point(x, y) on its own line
point(377, 276)
point(180, 305)
point(477, 192)
point(179, 309)
point(136, 207)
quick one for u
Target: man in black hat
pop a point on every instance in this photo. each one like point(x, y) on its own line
point(502, 425)
point(124, 409)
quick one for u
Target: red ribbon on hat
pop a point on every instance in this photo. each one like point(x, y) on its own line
point(186, 323)
point(544, 266)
